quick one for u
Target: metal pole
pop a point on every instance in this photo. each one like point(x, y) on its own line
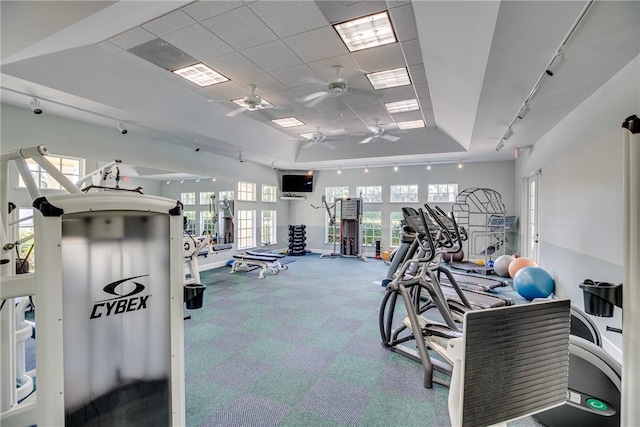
point(630, 415)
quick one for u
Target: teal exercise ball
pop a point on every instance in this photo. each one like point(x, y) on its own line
point(533, 282)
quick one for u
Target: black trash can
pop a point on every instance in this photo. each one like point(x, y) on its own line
point(194, 295)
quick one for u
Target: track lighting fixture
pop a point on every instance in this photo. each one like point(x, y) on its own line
point(168, 182)
point(555, 63)
point(366, 169)
point(395, 168)
point(35, 106)
point(182, 181)
point(500, 145)
point(240, 157)
point(460, 164)
point(428, 166)
point(122, 128)
point(198, 180)
point(339, 170)
point(214, 179)
point(196, 146)
point(524, 111)
point(508, 133)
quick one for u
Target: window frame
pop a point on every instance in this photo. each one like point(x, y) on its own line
point(269, 193)
point(270, 228)
point(366, 195)
point(245, 220)
point(37, 172)
point(408, 193)
point(246, 191)
point(370, 232)
point(451, 193)
point(395, 230)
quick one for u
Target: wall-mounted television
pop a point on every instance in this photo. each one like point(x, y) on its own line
point(297, 183)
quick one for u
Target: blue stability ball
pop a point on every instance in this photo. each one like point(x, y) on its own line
point(533, 282)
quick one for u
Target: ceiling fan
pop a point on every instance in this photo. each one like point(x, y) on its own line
point(318, 138)
point(251, 102)
point(378, 132)
point(337, 86)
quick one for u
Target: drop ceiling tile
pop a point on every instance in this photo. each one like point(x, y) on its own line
point(281, 97)
point(323, 69)
point(108, 47)
point(201, 10)
point(302, 91)
point(272, 56)
point(287, 18)
point(412, 52)
point(379, 58)
point(198, 42)
point(181, 81)
point(227, 90)
point(371, 112)
point(234, 66)
point(331, 103)
point(422, 90)
point(360, 82)
point(340, 115)
point(296, 110)
point(131, 38)
point(169, 23)
point(317, 44)
point(265, 83)
point(315, 119)
point(298, 75)
point(357, 99)
point(340, 11)
point(134, 59)
point(353, 126)
point(406, 117)
point(399, 93)
point(240, 28)
point(397, 3)
point(404, 22)
point(211, 97)
point(417, 74)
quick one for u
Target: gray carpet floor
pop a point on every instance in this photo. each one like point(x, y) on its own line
point(302, 348)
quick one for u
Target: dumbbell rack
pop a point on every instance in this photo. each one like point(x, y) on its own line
point(297, 240)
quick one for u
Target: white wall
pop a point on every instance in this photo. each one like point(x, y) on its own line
point(581, 191)
point(98, 145)
point(495, 175)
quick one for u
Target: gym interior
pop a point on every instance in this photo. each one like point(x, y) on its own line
point(292, 230)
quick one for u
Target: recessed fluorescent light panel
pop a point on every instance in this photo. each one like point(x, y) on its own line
point(367, 31)
point(413, 124)
point(402, 106)
point(201, 75)
point(389, 78)
point(288, 122)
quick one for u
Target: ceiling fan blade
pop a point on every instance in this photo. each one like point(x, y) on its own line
point(310, 144)
point(391, 138)
point(313, 96)
point(317, 99)
point(235, 112)
point(366, 140)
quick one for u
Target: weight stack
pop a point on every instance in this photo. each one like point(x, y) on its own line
point(297, 240)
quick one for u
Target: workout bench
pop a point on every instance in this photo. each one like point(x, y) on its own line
point(246, 262)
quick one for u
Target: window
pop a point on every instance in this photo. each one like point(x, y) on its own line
point(269, 193)
point(207, 198)
point(247, 191)
point(190, 226)
point(188, 198)
point(226, 194)
point(246, 226)
point(208, 222)
point(404, 194)
point(25, 228)
point(72, 168)
point(531, 217)
point(372, 194)
point(332, 234)
point(333, 193)
point(396, 228)
point(268, 227)
point(371, 228)
point(442, 193)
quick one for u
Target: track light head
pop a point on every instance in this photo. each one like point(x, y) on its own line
point(122, 128)
point(555, 63)
point(35, 106)
point(524, 111)
point(508, 133)
point(500, 145)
